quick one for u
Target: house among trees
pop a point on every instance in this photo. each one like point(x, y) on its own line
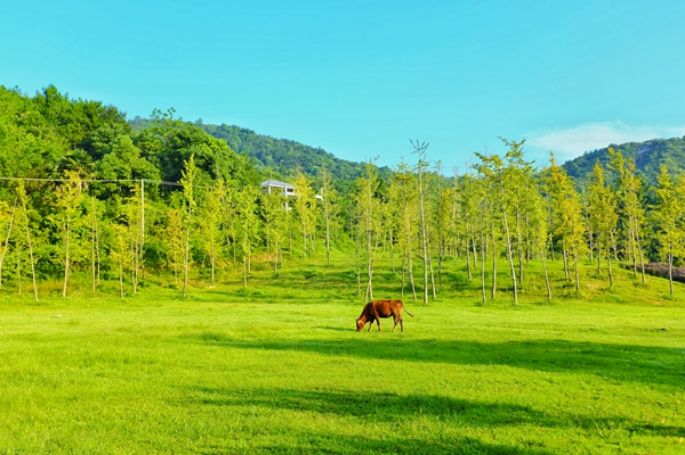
point(271, 186)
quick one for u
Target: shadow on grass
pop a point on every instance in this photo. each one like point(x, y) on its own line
point(650, 365)
point(326, 443)
point(396, 409)
point(380, 407)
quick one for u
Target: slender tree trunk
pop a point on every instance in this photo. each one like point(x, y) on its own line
point(424, 235)
point(328, 240)
point(611, 273)
point(670, 271)
point(392, 253)
point(519, 246)
point(30, 245)
point(547, 283)
point(290, 245)
point(186, 263)
point(5, 246)
point(18, 270)
point(565, 258)
point(141, 251)
point(430, 262)
point(468, 262)
point(493, 292)
point(441, 258)
point(66, 259)
point(136, 265)
point(304, 240)
point(633, 246)
point(482, 267)
point(369, 267)
point(575, 265)
point(121, 281)
point(475, 251)
point(358, 263)
point(521, 259)
point(410, 267)
point(93, 272)
point(403, 276)
point(510, 257)
point(640, 251)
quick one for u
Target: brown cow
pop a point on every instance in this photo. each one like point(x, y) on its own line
point(377, 309)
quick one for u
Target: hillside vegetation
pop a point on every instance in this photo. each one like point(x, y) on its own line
point(285, 156)
point(649, 156)
point(84, 193)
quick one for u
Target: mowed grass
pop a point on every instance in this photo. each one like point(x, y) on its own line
point(278, 368)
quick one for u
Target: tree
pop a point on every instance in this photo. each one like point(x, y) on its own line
point(367, 207)
point(174, 239)
point(210, 225)
point(490, 169)
point(246, 205)
point(602, 210)
point(669, 219)
point(627, 192)
point(304, 208)
point(7, 217)
point(328, 206)
point(420, 149)
point(402, 195)
point(70, 197)
point(538, 235)
point(188, 177)
point(134, 208)
point(25, 225)
point(275, 209)
point(565, 215)
point(119, 253)
point(93, 214)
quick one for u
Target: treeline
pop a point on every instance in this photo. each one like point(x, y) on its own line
point(85, 194)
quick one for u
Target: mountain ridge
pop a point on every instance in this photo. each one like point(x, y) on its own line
point(648, 155)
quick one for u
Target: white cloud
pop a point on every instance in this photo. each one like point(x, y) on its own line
point(567, 143)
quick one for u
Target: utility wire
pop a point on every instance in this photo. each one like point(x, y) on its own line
point(39, 179)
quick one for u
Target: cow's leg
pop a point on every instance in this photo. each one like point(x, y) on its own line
point(394, 325)
point(401, 324)
point(377, 317)
point(370, 325)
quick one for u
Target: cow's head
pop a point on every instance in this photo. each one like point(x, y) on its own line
point(361, 322)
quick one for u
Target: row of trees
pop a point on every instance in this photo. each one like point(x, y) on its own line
point(85, 194)
point(505, 210)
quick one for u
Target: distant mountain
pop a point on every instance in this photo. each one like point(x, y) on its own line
point(648, 156)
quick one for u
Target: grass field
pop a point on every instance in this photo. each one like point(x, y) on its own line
point(279, 369)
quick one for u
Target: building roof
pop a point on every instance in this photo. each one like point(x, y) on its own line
point(276, 184)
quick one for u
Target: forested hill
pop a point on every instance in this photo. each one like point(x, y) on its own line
point(648, 156)
point(283, 155)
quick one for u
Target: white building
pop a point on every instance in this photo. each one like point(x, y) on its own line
point(271, 186)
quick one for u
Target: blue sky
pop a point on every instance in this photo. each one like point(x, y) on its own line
point(361, 78)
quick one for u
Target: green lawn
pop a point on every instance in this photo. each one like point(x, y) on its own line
point(280, 369)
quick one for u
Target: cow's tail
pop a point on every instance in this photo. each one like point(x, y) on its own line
point(405, 309)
